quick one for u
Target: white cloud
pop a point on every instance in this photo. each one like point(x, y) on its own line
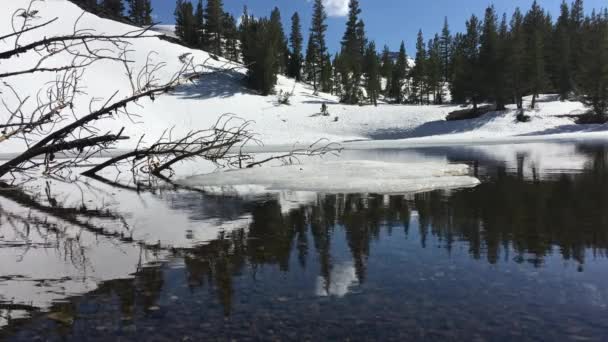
point(336, 8)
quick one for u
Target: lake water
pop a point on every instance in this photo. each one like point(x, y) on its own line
point(523, 256)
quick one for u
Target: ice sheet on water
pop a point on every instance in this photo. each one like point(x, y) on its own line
point(340, 177)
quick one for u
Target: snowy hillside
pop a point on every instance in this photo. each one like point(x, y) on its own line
point(198, 105)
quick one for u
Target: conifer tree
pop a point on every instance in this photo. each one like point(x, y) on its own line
point(353, 48)
point(231, 36)
point(276, 27)
point(317, 48)
point(213, 24)
point(294, 69)
point(310, 67)
point(592, 79)
point(515, 75)
point(445, 45)
point(458, 70)
point(372, 73)
point(577, 19)
point(466, 81)
point(147, 13)
point(185, 23)
point(489, 59)
point(113, 7)
point(562, 68)
point(500, 85)
point(259, 46)
point(140, 12)
point(337, 81)
point(418, 72)
point(179, 19)
point(386, 69)
point(398, 76)
point(534, 63)
point(434, 70)
point(327, 84)
point(199, 23)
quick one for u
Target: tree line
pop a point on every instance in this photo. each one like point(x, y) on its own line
point(139, 12)
point(501, 60)
point(498, 59)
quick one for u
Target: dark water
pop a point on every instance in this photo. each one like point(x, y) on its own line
point(520, 257)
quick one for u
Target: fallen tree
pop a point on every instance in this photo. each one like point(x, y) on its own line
point(59, 137)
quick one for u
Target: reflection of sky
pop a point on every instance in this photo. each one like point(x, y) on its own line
point(7, 315)
point(343, 278)
point(397, 263)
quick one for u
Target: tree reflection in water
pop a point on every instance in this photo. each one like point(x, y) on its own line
point(508, 218)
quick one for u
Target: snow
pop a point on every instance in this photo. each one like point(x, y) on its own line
point(79, 259)
point(197, 106)
point(167, 30)
point(340, 177)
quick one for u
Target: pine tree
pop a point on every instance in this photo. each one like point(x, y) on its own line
point(259, 46)
point(577, 19)
point(310, 66)
point(434, 71)
point(113, 7)
point(294, 69)
point(534, 64)
point(466, 80)
point(317, 48)
point(231, 36)
point(489, 59)
point(353, 48)
point(562, 67)
point(213, 25)
point(146, 15)
point(418, 72)
point(199, 23)
point(445, 45)
point(398, 76)
point(515, 75)
point(337, 81)
point(185, 24)
point(500, 84)
point(278, 33)
point(327, 74)
point(592, 79)
point(140, 12)
point(386, 69)
point(372, 73)
point(179, 19)
point(458, 70)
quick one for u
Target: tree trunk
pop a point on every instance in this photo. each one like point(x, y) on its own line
point(533, 104)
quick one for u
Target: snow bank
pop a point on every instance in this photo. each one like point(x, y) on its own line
point(198, 105)
point(340, 177)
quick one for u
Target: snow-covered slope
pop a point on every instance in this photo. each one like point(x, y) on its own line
point(197, 106)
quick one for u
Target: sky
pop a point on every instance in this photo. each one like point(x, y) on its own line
point(386, 21)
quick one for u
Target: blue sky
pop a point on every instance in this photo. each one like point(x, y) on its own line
point(387, 21)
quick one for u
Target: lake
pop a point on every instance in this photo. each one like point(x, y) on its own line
point(522, 256)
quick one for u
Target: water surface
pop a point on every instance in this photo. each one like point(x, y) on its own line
point(520, 257)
